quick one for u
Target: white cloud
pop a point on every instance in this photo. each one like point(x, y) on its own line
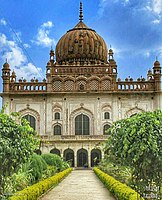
point(27, 46)
point(153, 7)
point(157, 6)
point(48, 24)
point(156, 21)
point(10, 50)
point(3, 22)
point(42, 37)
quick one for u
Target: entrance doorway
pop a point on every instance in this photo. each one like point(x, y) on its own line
point(95, 157)
point(69, 156)
point(82, 158)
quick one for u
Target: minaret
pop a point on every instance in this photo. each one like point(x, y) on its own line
point(52, 54)
point(6, 77)
point(157, 75)
point(13, 77)
point(112, 64)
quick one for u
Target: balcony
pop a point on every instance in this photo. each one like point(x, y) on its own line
point(73, 138)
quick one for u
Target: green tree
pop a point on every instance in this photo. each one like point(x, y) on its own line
point(137, 142)
point(17, 143)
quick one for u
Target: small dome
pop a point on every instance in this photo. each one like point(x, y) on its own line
point(13, 74)
point(6, 65)
point(156, 62)
point(81, 44)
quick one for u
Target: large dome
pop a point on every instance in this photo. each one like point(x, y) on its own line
point(81, 44)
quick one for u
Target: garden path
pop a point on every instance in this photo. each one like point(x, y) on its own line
point(79, 185)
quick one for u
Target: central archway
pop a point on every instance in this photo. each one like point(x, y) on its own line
point(69, 156)
point(82, 158)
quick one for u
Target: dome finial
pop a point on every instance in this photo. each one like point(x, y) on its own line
point(81, 12)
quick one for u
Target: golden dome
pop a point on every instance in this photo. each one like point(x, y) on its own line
point(81, 44)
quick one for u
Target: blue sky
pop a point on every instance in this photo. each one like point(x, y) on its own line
point(28, 29)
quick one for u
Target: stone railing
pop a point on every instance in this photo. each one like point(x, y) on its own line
point(28, 87)
point(135, 86)
point(73, 137)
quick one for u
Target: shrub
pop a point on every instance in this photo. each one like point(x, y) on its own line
point(37, 166)
point(53, 160)
point(17, 143)
point(121, 173)
point(118, 189)
point(36, 190)
point(50, 171)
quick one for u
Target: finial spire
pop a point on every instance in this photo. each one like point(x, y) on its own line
point(81, 12)
point(156, 58)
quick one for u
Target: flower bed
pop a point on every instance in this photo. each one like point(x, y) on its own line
point(36, 190)
point(118, 189)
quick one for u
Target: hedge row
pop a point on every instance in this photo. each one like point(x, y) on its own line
point(36, 190)
point(118, 189)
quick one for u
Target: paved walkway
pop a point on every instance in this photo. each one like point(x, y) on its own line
point(79, 185)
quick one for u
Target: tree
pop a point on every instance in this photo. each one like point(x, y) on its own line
point(17, 143)
point(137, 142)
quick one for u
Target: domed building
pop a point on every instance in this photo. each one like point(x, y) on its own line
point(81, 96)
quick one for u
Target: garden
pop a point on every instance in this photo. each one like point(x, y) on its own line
point(20, 167)
point(134, 156)
point(131, 168)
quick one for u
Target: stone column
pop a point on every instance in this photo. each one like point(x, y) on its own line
point(89, 158)
point(102, 154)
point(75, 158)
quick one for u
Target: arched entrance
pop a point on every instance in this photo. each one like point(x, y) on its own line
point(69, 156)
point(82, 125)
point(95, 157)
point(82, 158)
point(55, 151)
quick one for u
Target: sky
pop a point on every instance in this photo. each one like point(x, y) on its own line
point(28, 29)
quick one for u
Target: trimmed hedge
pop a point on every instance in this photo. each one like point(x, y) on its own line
point(118, 189)
point(36, 190)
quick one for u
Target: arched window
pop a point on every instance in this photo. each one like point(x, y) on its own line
point(57, 115)
point(31, 120)
point(82, 125)
point(105, 129)
point(57, 130)
point(106, 115)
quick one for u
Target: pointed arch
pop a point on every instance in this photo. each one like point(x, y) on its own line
point(33, 113)
point(85, 112)
point(69, 156)
point(96, 157)
point(133, 111)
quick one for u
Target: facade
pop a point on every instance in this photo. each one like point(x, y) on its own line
point(81, 96)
